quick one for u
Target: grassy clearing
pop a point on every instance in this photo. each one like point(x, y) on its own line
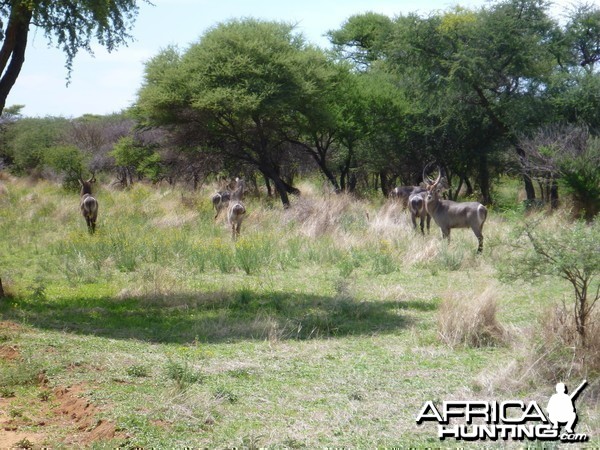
point(319, 327)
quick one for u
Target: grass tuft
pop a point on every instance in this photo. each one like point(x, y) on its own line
point(470, 320)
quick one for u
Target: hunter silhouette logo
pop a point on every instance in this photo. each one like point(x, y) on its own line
point(512, 419)
point(561, 408)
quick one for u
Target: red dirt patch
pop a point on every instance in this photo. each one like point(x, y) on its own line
point(9, 352)
point(77, 410)
point(10, 326)
point(70, 410)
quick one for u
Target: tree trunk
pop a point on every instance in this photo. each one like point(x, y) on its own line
point(283, 189)
point(330, 176)
point(280, 186)
point(13, 49)
point(385, 187)
point(484, 179)
point(460, 183)
point(469, 187)
point(268, 185)
point(553, 194)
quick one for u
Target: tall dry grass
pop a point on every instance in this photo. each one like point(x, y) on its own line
point(470, 319)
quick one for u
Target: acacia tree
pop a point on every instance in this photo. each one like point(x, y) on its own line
point(69, 24)
point(240, 89)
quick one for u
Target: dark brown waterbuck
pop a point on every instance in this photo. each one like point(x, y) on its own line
point(403, 193)
point(448, 214)
point(88, 204)
point(416, 204)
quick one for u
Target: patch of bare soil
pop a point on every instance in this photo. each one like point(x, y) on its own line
point(9, 352)
point(77, 411)
point(69, 409)
point(7, 325)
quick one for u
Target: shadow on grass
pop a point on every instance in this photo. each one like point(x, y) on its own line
point(215, 317)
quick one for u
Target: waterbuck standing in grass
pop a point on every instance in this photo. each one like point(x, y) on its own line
point(416, 204)
point(236, 210)
point(88, 204)
point(220, 200)
point(403, 193)
point(448, 214)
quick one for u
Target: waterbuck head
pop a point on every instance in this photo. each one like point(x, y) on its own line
point(86, 186)
point(434, 187)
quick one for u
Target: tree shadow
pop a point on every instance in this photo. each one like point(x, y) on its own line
point(220, 316)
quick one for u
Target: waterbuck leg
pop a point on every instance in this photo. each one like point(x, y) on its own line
point(414, 221)
point(446, 233)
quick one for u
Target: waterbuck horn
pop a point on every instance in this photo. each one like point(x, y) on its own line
point(426, 178)
point(436, 182)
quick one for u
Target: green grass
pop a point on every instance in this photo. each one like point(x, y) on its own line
point(317, 328)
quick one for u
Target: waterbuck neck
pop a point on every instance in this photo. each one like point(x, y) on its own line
point(86, 188)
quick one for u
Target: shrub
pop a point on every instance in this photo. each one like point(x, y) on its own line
point(66, 160)
point(183, 374)
point(571, 253)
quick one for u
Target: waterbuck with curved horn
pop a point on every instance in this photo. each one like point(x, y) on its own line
point(88, 204)
point(449, 214)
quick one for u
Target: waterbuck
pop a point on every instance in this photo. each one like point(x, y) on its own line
point(236, 210)
point(220, 199)
point(88, 204)
point(416, 204)
point(403, 193)
point(448, 214)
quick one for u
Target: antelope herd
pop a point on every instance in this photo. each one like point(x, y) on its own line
point(423, 202)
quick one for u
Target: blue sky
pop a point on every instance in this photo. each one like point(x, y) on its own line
point(108, 82)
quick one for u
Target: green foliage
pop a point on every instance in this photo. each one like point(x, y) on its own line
point(580, 175)
point(25, 142)
point(362, 37)
point(571, 253)
point(260, 75)
point(183, 373)
point(138, 370)
point(253, 253)
point(73, 25)
point(136, 157)
point(67, 160)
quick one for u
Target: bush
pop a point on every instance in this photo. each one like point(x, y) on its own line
point(571, 253)
point(67, 160)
